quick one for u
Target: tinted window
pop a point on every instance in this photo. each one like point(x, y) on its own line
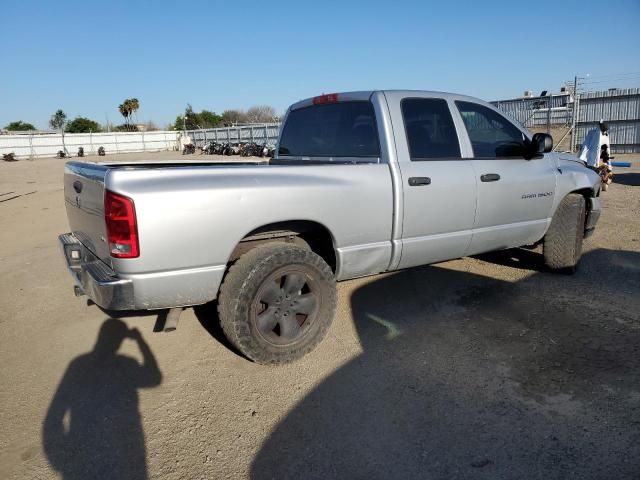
point(430, 129)
point(345, 129)
point(490, 133)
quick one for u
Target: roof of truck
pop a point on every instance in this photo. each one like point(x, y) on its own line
point(366, 94)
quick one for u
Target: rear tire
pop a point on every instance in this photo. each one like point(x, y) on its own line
point(277, 302)
point(562, 246)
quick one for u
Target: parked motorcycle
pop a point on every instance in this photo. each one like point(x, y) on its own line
point(218, 148)
point(207, 149)
point(250, 149)
point(230, 149)
point(271, 151)
point(189, 149)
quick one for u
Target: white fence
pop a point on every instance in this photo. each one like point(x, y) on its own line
point(29, 146)
point(48, 145)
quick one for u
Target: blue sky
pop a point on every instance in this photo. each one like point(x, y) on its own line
point(86, 57)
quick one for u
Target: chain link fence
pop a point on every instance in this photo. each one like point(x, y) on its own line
point(258, 133)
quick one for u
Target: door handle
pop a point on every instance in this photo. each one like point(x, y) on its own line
point(490, 177)
point(417, 181)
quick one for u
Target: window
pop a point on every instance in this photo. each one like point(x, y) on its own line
point(430, 130)
point(344, 129)
point(491, 134)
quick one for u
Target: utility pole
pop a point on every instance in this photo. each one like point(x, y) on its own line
point(549, 113)
point(574, 119)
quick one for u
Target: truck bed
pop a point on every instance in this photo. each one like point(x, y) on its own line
point(171, 163)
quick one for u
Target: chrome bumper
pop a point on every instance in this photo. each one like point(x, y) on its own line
point(592, 216)
point(94, 278)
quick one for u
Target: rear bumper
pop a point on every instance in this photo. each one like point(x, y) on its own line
point(94, 278)
point(592, 216)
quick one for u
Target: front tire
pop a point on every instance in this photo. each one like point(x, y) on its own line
point(562, 246)
point(277, 302)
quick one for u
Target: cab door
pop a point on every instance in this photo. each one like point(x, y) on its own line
point(438, 184)
point(515, 195)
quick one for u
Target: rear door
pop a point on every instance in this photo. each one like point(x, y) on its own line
point(515, 195)
point(439, 185)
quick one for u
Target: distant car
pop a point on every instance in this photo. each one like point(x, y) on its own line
point(361, 183)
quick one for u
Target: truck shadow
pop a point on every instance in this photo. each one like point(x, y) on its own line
point(520, 258)
point(466, 376)
point(93, 427)
point(207, 316)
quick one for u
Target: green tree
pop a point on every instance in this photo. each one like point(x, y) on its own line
point(82, 125)
point(189, 120)
point(194, 120)
point(57, 122)
point(19, 126)
point(209, 119)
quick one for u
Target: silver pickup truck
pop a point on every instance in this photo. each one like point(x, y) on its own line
point(362, 183)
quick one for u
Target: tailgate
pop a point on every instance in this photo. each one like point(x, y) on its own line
point(84, 201)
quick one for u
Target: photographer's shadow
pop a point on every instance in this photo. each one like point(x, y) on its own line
point(93, 427)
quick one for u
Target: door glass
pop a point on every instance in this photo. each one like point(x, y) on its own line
point(491, 135)
point(429, 128)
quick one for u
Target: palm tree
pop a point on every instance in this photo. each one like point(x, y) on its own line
point(127, 108)
point(134, 104)
point(124, 111)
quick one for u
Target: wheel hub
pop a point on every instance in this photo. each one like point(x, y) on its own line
point(285, 306)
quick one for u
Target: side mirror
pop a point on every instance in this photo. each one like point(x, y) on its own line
point(541, 143)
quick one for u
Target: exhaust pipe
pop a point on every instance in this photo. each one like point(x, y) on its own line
point(171, 322)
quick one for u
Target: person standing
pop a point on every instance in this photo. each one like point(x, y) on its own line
point(592, 145)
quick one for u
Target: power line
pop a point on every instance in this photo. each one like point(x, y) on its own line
point(613, 80)
point(612, 75)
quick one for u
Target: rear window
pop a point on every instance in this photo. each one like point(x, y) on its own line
point(430, 130)
point(345, 129)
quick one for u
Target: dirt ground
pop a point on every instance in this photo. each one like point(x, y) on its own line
point(484, 368)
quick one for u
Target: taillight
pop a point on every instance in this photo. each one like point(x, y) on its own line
point(122, 228)
point(326, 98)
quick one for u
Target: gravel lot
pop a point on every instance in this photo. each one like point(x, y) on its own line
point(479, 368)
